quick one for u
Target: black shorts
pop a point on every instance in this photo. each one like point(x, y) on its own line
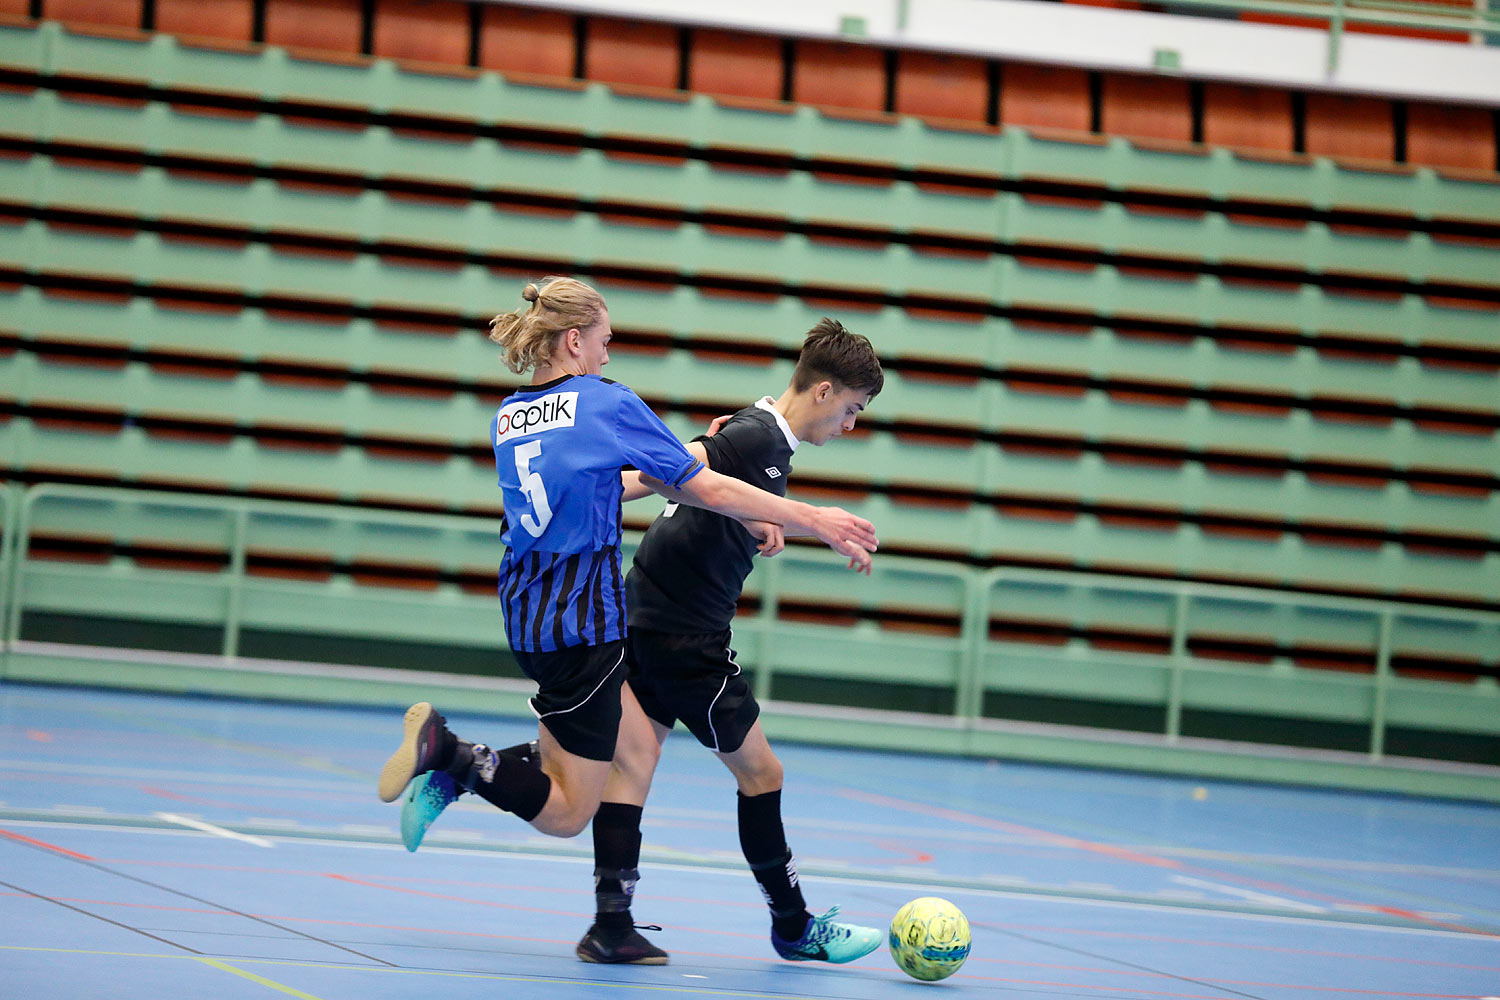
point(578, 695)
point(693, 678)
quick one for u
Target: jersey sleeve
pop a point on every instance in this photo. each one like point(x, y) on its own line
point(733, 451)
point(649, 445)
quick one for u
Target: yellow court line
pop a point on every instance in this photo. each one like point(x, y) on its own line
point(498, 977)
point(262, 980)
point(88, 951)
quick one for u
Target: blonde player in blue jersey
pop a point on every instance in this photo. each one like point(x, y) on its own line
point(560, 444)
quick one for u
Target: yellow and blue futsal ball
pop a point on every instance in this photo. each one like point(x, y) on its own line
point(929, 938)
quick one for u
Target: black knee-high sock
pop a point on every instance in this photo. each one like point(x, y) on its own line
point(527, 753)
point(504, 781)
point(763, 840)
point(617, 857)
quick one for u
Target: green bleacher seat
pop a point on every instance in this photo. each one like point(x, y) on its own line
point(258, 269)
point(681, 376)
point(895, 269)
point(252, 334)
point(380, 85)
point(881, 458)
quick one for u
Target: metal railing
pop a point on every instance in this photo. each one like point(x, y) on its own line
point(1480, 23)
point(978, 660)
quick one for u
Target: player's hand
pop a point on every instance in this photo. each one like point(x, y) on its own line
point(772, 539)
point(848, 535)
point(717, 423)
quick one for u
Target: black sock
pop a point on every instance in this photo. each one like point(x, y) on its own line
point(526, 753)
point(763, 840)
point(503, 781)
point(617, 857)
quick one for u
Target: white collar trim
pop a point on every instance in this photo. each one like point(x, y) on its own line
point(769, 405)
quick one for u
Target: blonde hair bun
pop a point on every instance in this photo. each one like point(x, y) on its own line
point(529, 335)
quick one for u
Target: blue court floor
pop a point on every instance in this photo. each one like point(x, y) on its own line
point(162, 847)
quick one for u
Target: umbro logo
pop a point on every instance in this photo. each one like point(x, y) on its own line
point(773, 472)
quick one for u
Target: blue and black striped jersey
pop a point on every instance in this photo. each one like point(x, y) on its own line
point(559, 448)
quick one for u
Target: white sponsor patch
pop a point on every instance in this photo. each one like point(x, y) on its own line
point(535, 415)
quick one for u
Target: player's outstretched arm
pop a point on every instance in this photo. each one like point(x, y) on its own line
point(769, 536)
point(636, 488)
point(845, 533)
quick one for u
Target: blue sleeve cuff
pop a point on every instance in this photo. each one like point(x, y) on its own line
point(687, 473)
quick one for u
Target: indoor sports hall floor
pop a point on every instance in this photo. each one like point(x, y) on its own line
point(162, 847)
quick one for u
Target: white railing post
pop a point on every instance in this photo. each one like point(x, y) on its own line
point(235, 596)
point(769, 599)
point(968, 702)
point(1179, 663)
point(1382, 684)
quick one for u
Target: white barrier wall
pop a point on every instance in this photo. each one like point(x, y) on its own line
point(1100, 38)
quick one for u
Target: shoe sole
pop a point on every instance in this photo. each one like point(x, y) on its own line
point(401, 767)
point(594, 960)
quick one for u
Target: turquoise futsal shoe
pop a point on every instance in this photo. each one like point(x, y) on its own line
point(826, 940)
point(425, 799)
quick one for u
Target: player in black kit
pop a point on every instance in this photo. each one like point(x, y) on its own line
point(681, 595)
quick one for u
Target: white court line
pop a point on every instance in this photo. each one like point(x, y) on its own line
point(1249, 894)
point(217, 831)
point(166, 774)
point(738, 871)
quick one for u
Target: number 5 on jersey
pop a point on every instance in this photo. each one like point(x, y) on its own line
point(533, 488)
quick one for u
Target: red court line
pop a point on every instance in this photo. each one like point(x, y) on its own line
point(1046, 836)
point(1126, 854)
point(509, 906)
point(1210, 982)
point(1240, 945)
point(44, 845)
point(1123, 973)
point(444, 896)
point(1213, 980)
point(376, 881)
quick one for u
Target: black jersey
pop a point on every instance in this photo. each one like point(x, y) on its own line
point(692, 564)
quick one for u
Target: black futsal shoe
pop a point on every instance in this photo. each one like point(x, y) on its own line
point(619, 946)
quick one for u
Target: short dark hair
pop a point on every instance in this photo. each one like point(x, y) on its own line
point(847, 359)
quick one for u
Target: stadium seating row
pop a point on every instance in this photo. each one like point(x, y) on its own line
point(840, 76)
point(441, 417)
point(667, 195)
point(1057, 407)
point(765, 135)
point(1128, 287)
